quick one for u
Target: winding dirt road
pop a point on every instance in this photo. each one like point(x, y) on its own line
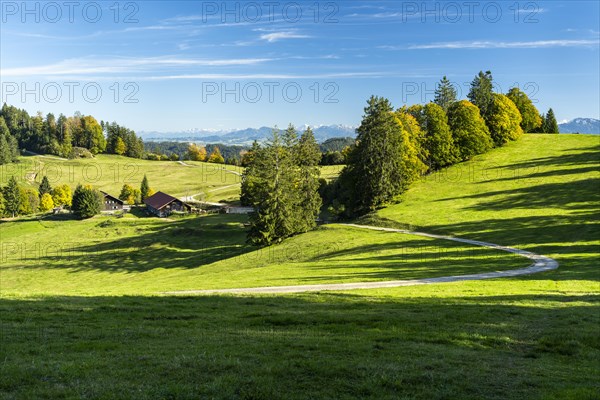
point(540, 264)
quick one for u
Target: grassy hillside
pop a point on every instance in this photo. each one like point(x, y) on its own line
point(204, 181)
point(81, 323)
point(110, 172)
point(137, 255)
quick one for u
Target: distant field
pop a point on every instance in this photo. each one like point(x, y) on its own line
point(204, 181)
point(110, 172)
point(80, 316)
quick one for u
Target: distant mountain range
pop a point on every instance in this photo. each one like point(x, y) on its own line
point(580, 125)
point(322, 133)
point(244, 136)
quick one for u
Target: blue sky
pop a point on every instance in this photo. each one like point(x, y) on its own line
point(170, 66)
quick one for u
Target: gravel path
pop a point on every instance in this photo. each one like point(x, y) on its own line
point(540, 264)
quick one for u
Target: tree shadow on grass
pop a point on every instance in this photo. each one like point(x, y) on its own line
point(310, 346)
point(185, 243)
point(576, 195)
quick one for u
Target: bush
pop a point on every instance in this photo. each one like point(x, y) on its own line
point(80, 152)
point(87, 201)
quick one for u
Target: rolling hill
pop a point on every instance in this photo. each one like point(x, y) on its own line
point(83, 312)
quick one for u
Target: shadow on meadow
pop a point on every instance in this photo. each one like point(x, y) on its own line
point(182, 243)
point(312, 346)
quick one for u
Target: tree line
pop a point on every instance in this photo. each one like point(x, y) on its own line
point(63, 136)
point(85, 201)
point(393, 148)
point(281, 182)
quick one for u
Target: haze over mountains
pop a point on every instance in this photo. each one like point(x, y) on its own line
point(244, 136)
point(322, 133)
point(581, 125)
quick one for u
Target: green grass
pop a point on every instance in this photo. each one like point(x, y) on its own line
point(204, 181)
point(145, 256)
point(110, 172)
point(87, 327)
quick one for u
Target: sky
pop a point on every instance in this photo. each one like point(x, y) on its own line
point(173, 66)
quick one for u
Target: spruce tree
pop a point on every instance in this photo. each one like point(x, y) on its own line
point(382, 164)
point(45, 187)
point(274, 195)
point(308, 155)
point(12, 197)
point(144, 188)
point(481, 92)
point(87, 201)
point(550, 123)
point(445, 94)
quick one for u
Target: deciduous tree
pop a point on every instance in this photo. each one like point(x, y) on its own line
point(46, 202)
point(504, 120)
point(469, 131)
point(530, 116)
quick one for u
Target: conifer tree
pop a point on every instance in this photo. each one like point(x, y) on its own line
point(445, 94)
point(481, 93)
point(44, 186)
point(550, 123)
point(12, 197)
point(87, 201)
point(383, 162)
point(144, 189)
point(273, 193)
point(308, 155)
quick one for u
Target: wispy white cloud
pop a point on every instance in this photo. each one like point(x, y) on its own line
point(265, 76)
point(276, 36)
point(483, 44)
point(123, 65)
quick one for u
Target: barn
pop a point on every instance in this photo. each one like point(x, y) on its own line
point(111, 203)
point(162, 204)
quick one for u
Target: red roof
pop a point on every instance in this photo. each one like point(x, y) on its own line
point(159, 199)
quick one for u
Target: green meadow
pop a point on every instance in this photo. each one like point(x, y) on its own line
point(83, 315)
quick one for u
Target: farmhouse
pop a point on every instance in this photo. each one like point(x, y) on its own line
point(111, 203)
point(162, 204)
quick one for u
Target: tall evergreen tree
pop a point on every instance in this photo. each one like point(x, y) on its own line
point(445, 94)
point(481, 92)
point(383, 162)
point(87, 201)
point(45, 186)
point(550, 123)
point(273, 192)
point(144, 188)
point(308, 155)
point(12, 197)
point(9, 150)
